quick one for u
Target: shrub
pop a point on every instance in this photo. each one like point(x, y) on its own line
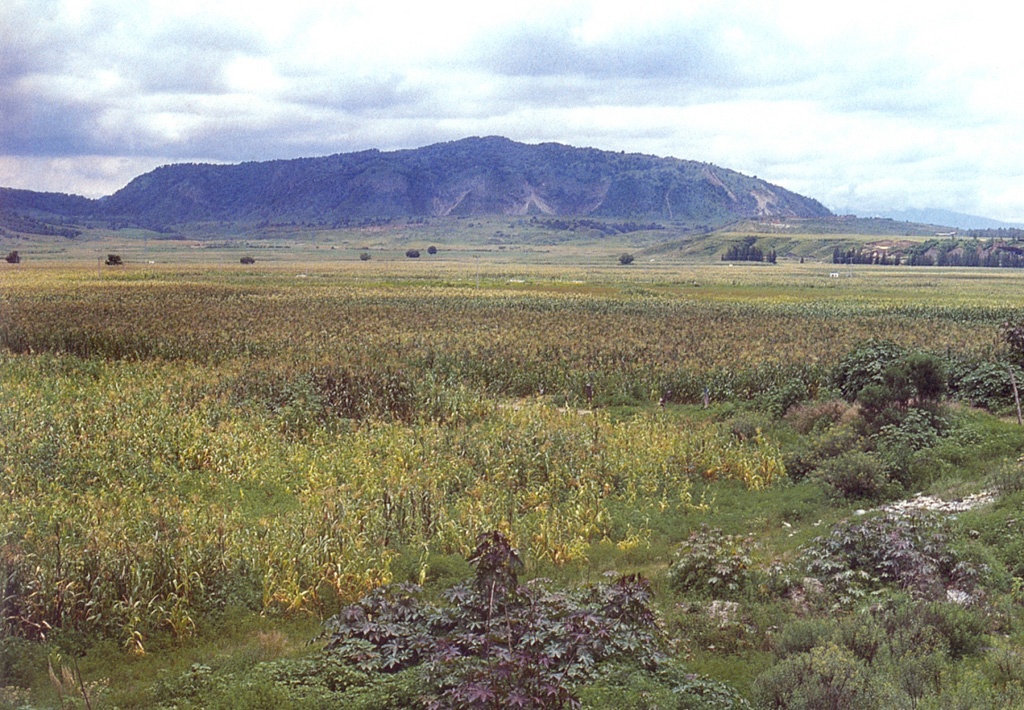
point(863, 366)
point(927, 376)
point(829, 444)
point(988, 385)
point(816, 416)
point(1012, 334)
point(899, 444)
point(496, 643)
point(13, 257)
point(781, 398)
point(801, 636)
point(364, 256)
point(431, 250)
point(247, 260)
point(625, 259)
point(911, 551)
point(113, 260)
point(673, 688)
point(712, 564)
point(413, 253)
point(855, 475)
point(825, 677)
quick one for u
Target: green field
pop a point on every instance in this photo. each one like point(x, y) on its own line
point(204, 461)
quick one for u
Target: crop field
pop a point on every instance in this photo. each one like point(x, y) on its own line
point(204, 465)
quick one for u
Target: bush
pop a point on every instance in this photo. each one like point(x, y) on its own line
point(863, 366)
point(816, 416)
point(625, 259)
point(364, 256)
point(910, 551)
point(713, 565)
point(431, 250)
point(855, 475)
point(113, 260)
point(247, 260)
point(13, 258)
point(781, 398)
point(673, 688)
point(495, 643)
point(830, 443)
point(825, 677)
point(801, 636)
point(1012, 333)
point(988, 385)
point(927, 376)
point(413, 253)
point(882, 377)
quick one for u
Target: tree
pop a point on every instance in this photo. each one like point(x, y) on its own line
point(114, 260)
point(431, 250)
point(625, 258)
point(13, 258)
point(247, 260)
point(413, 253)
point(365, 256)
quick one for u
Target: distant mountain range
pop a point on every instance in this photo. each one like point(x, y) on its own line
point(469, 177)
point(947, 218)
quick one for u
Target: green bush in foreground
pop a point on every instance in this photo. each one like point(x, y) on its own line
point(712, 564)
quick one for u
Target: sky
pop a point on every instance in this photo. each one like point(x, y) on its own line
point(867, 107)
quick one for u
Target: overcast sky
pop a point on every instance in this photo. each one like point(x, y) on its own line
point(869, 106)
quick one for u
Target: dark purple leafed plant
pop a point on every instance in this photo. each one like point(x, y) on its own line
point(496, 643)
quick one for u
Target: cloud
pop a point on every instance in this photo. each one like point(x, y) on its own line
point(852, 105)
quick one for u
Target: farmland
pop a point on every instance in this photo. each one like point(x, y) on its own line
point(193, 445)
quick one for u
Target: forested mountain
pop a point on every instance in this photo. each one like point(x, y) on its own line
point(473, 176)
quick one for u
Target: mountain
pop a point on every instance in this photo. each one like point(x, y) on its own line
point(473, 176)
point(950, 219)
point(943, 218)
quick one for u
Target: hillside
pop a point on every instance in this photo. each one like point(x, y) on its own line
point(469, 177)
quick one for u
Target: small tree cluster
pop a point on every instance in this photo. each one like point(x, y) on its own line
point(413, 253)
point(746, 251)
point(13, 258)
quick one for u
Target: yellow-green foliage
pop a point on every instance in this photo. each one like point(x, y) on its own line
point(172, 442)
point(139, 493)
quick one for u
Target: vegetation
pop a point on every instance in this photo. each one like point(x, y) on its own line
point(749, 251)
point(934, 252)
point(381, 485)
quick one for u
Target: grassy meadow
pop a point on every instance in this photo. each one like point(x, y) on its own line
point(201, 462)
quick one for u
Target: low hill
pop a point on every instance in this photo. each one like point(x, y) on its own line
point(469, 177)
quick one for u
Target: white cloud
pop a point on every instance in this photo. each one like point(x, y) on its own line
point(867, 105)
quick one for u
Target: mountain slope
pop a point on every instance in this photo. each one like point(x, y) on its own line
point(473, 176)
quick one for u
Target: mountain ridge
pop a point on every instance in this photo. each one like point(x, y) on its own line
point(468, 177)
